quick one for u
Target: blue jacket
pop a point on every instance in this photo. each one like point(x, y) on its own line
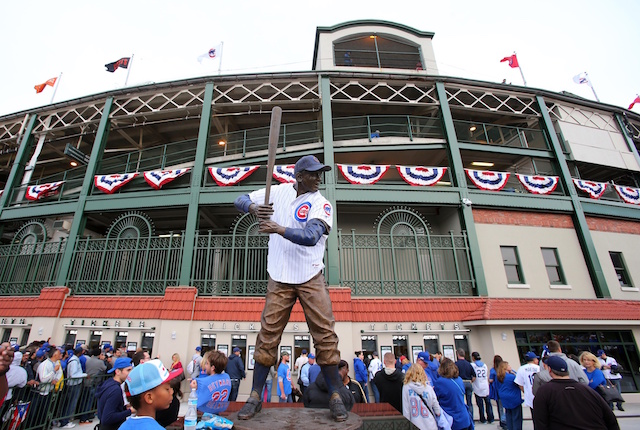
point(111, 410)
point(362, 375)
point(509, 392)
point(235, 367)
point(450, 394)
point(595, 378)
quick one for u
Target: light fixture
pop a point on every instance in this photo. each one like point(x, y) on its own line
point(73, 163)
point(482, 164)
point(472, 128)
point(222, 143)
point(372, 37)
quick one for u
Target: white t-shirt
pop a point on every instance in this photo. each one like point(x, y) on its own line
point(288, 262)
point(610, 361)
point(524, 378)
point(301, 361)
point(481, 383)
point(374, 367)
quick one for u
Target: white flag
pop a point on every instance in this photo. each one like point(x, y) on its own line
point(582, 78)
point(212, 54)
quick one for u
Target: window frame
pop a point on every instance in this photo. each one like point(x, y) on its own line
point(621, 270)
point(562, 279)
point(517, 265)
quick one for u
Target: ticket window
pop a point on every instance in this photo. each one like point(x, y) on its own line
point(240, 341)
point(25, 336)
point(369, 345)
point(121, 339)
point(94, 338)
point(400, 346)
point(70, 338)
point(147, 342)
point(6, 335)
point(431, 343)
point(207, 342)
point(300, 342)
point(461, 342)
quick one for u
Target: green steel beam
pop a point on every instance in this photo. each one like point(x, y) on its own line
point(77, 226)
point(582, 228)
point(611, 209)
point(18, 164)
point(521, 201)
point(400, 146)
point(627, 138)
point(138, 200)
point(333, 258)
point(459, 180)
point(38, 210)
point(507, 150)
point(400, 194)
point(196, 184)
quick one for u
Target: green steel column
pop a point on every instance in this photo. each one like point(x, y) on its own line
point(333, 257)
point(460, 181)
point(18, 164)
point(582, 228)
point(628, 139)
point(196, 185)
point(77, 226)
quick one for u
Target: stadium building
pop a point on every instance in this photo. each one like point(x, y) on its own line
point(470, 214)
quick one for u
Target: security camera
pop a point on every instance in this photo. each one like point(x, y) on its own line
point(466, 202)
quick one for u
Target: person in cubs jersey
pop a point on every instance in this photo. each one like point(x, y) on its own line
point(525, 375)
point(298, 219)
point(481, 388)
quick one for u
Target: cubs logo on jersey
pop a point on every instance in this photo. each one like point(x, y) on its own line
point(327, 209)
point(302, 211)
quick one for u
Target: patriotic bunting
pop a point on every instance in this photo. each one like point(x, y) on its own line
point(364, 174)
point(37, 192)
point(488, 180)
point(112, 183)
point(18, 415)
point(421, 176)
point(537, 184)
point(230, 175)
point(284, 174)
point(594, 189)
point(628, 194)
point(158, 178)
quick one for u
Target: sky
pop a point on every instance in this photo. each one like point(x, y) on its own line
point(554, 40)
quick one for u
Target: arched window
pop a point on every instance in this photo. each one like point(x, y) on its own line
point(379, 51)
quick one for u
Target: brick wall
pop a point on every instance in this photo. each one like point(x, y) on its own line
point(533, 219)
point(613, 225)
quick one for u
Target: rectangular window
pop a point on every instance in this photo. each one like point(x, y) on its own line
point(552, 263)
point(512, 264)
point(620, 268)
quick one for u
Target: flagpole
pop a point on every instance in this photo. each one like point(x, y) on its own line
point(128, 70)
point(221, 52)
point(55, 88)
point(591, 85)
point(520, 68)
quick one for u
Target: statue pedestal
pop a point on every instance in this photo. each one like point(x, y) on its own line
point(294, 418)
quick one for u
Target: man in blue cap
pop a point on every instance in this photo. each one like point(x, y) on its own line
point(111, 409)
point(525, 375)
point(298, 219)
point(235, 369)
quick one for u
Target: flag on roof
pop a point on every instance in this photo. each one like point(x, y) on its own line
point(40, 87)
point(123, 62)
point(636, 100)
point(512, 59)
point(211, 54)
point(582, 78)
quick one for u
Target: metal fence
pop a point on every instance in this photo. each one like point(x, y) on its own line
point(26, 268)
point(37, 407)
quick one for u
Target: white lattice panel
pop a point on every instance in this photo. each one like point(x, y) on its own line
point(158, 101)
point(493, 101)
point(634, 129)
point(78, 116)
point(585, 117)
point(9, 131)
point(389, 92)
point(265, 92)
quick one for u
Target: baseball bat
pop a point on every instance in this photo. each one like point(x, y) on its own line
point(274, 135)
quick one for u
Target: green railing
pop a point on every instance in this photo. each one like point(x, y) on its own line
point(491, 134)
point(126, 266)
point(378, 126)
point(26, 268)
point(411, 265)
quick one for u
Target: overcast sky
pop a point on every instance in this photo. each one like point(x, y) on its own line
point(554, 40)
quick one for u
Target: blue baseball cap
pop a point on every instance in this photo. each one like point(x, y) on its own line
point(310, 163)
point(530, 356)
point(311, 355)
point(198, 348)
point(149, 375)
point(556, 363)
point(236, 349)
point(600, 352)
point(424, 356)
point(121, 363)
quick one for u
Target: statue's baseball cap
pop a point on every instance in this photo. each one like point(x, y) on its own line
point(310, 163)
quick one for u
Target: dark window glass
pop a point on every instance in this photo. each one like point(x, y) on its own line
point(511, 264)
point(379, 52)
point(620, 268)
point(552, 263)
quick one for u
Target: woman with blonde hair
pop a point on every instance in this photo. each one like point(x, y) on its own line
point(592, 369)
point(419, 402)
point(510, 395)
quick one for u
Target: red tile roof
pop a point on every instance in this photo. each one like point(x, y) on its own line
point(47, 304)
point(414, 309)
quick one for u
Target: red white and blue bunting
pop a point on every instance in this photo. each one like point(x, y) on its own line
point(363, 174)
point(285, 174)
point(37, 192)
point(488, 180)
point(594, 189)
point(420, 175)
point(112, 183)
point(628, 194)
point(158, 178)
point(537, 184)
point(225, 176)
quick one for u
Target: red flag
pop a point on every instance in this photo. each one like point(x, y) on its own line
point(512, 59)
point(40, 87)
point(636, 100)
point(123, 62)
